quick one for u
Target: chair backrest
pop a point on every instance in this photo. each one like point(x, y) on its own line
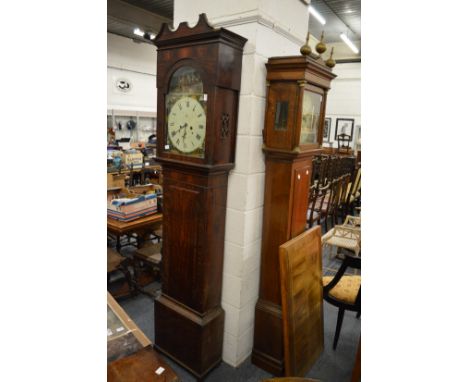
point(354, 186)
point(323, 170)
point(356, 182)
point(344, 141)
point(352, 221)
point(335, 188)
point(345, 188)
point(313, 190)
point(316, 199)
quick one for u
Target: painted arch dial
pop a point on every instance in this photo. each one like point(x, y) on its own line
point(187, 125)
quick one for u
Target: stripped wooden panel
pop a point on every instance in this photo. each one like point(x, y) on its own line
point(301, 293)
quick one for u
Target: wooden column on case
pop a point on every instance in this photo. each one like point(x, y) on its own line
point(288, 156)
point(189, 320)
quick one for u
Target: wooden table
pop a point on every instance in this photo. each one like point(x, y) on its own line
point(142, 227)
point(130, 354)
point(136, 170)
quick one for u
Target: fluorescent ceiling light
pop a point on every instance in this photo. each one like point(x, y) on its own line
point(317, 15)
point(349, 43)
point(138, 32)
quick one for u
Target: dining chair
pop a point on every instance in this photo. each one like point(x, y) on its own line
point(147, 260)
point(323, 167)
point(329, 204)
point(353, 194)
point(118, 263)
point(344, 142)
point(343, 291)
point(341, 207)
point(317, 197)
point(345, 236)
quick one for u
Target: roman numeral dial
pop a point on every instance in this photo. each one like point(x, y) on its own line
point(186, 124)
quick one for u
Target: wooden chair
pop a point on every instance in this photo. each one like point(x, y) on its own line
point(336, 196)
point(340, 208)
point(148, 258)
point(317, 197)
point(344, 142)
point(330, 203)
point(117, 262)
point(353, 193)
point(345, 236)
point(344, 292)
point(321, 170)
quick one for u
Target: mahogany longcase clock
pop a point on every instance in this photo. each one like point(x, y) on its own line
point(198, 81)
point(296, 100)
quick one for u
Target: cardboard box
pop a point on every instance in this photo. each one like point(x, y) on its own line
point(115, 181)
point(135, 158)
point(133, 207)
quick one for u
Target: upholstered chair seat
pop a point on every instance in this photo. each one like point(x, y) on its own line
point(346, 290)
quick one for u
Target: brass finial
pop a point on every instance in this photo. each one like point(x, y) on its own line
point(320, 47)
point(330, 62)
point(306, 49)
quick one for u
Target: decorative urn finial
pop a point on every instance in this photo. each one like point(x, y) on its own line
point(330, 62)
point(306, 49)
point(320, 47)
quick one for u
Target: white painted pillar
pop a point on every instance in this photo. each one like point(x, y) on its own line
point(273, 28)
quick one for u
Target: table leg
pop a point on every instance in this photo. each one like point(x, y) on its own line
point(118, 246)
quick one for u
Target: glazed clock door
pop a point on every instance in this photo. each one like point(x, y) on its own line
point(311, 111)
point(186, 105)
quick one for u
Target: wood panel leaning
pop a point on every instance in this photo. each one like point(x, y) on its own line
point(301, 295)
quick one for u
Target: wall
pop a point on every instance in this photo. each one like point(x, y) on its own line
point(344, 98)
point(135, 62)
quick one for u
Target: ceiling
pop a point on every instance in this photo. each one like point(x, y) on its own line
point(123, 16)
point(342, 16)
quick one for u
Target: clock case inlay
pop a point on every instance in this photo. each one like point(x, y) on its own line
point(189, 320)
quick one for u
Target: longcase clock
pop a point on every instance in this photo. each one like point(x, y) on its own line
point(296, 100)
point(198, 80)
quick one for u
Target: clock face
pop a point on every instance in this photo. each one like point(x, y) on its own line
point(187, 125)
point(311, 105)
point(186, 105)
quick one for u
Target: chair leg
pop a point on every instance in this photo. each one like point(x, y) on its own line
point(338, 327)
point(128, 278)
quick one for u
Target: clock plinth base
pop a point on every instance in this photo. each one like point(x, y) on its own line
point(192, 340)
point(267, 351)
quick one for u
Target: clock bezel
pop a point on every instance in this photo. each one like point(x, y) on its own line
point(162, 132)
point(200, 145)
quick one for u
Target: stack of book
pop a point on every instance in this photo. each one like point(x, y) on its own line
point(127, 209)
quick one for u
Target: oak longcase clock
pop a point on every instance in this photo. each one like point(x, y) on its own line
point(198, 80)
point(297, 89)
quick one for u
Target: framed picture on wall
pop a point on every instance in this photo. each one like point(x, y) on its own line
point(326, 129)
point(344, 126)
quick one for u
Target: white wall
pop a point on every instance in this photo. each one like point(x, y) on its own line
point(135, 62)
point(344, 97)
